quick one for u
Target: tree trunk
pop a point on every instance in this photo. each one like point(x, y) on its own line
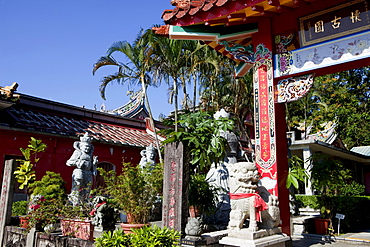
point(152, 122)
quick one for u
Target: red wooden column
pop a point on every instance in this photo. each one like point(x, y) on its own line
point(270, 126)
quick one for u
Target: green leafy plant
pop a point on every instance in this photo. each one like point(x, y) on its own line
point(310, 201)
point(45, 212)
point(51, 194)
point(25, 174)
point(80, 212)
point(154, 236)
point(51, 186)
point(328, 176)
point(134, 190)
point(19, 208)
point(352, 189)
point(200, 133)
point(201, 195)
point(113, 239)
point(149, 236)
point(296, 172)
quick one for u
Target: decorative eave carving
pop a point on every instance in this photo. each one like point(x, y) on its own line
point(7, 96)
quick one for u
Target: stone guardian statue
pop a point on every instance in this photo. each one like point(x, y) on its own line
point(148, 156)
point(85, 167)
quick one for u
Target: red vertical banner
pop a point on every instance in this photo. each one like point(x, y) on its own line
point(270, 126)
point(265, 118)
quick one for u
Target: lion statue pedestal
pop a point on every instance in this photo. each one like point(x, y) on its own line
point(252, 206)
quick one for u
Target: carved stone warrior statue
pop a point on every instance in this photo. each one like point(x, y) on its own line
point(250, 201)
point(148, 156)
point(85, 168)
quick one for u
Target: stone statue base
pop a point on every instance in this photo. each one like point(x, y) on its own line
point(261, 238)
point(250, 235)
point(193, 242)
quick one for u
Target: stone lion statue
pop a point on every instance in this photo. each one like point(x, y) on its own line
point(250, 201)
point(104, 215)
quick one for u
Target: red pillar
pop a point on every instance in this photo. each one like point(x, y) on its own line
point(270, 125)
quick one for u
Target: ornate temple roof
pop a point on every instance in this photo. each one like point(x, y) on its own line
point(228, 12)
point(228, 25)
point(135, 108)
point(43, 116)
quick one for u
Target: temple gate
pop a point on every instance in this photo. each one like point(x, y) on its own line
point(286, 43)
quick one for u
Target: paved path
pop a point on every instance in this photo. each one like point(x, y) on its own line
point(347, 240)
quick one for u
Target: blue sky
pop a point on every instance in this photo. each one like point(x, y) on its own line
point(49, 47)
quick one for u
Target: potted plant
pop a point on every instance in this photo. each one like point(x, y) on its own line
point(25, 174)
point(328, 175)
point(202, 197)
point(19, 209)
point(76, 221)
point(134, 191)
point(49, 196)
point(44, 214)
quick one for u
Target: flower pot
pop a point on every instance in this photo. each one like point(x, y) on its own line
point(77, 228)
point(321, 226)
point(127, 228)
point(23, 221)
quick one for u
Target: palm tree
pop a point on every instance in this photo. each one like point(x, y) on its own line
point(203, 63)
point(136, 70)
point(170, 60)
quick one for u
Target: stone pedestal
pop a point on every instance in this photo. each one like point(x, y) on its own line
point(213, 238)
point(250, 235)
point(261, 238)
point(193, 242)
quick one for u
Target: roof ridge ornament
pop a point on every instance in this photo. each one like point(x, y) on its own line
point(182, 4)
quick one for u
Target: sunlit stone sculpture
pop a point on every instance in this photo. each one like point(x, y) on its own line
point(85, 167)
point(148, 156)
point(250, 201)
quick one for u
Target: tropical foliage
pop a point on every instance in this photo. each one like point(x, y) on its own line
point(137, 68)
point(328, 175)
point(134, 190)
point(24, 173)
point(343, 98)
point(202, 196)
point(149, 236)
point(152, 59)
point(201, 134)
point(296, 172)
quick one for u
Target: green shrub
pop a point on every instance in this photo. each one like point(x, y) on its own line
point(353, 207)
point(308, 201)
point(154, 236)
point(201, 195)
point(352, 189)
point(149, 236)
point(51, 186)
point(113, 239)
point(19, 208)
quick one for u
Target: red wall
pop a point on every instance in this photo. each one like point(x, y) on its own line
point(59, 150)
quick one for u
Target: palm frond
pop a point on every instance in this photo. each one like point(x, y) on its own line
point(103, 61)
